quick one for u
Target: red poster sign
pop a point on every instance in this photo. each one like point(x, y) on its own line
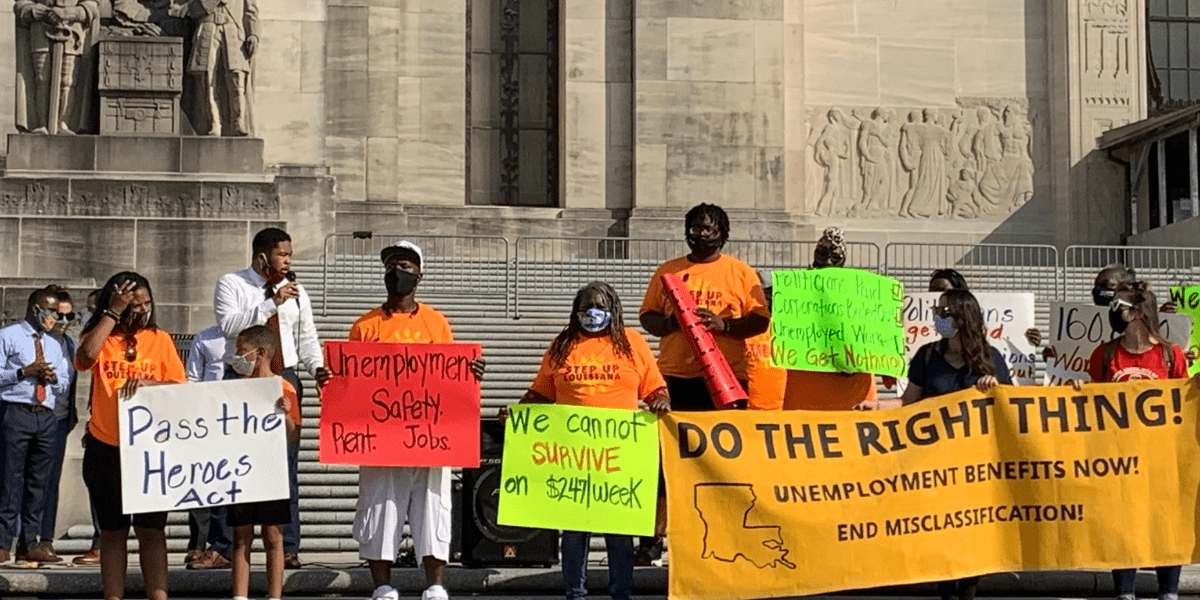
point(400, 405)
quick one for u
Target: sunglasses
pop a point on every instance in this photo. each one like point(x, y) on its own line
point(130, 348)
point(1119, 305)
point(67, 316)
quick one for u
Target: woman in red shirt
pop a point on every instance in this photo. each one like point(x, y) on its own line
point(1141, 352)
point(597, 361)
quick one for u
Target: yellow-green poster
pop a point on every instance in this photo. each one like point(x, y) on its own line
point(1187, 302)
point(837, 320)
point(580, 469)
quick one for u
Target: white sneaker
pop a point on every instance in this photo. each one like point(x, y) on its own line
point(435, 592)
point(385, 592)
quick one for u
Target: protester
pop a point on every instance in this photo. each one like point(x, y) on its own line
point(204, 363)
point(92, 556)
point(730, 303)
point(124, 348)
point(596, 330)
point(256, 348)
point(812, 390)
point(36, 376)
point(262, 294)
point(961, 359)
point(1141, 352)
point(65, 330)
point(766, 383)
point(387, 496)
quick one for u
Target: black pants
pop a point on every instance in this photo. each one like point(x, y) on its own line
point(30, 445)
point(691, 394)
point(963, 589)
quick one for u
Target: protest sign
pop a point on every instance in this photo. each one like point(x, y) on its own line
point(580, 469)
point(1018, 479)
point(1006, 316)
point(1077, 329)
point(837, 320)
point(203, 444)
point(400, 405)
point(1187, 302)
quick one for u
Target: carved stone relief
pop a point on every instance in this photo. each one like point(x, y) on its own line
point(974, 161)
point(110, 199)
point(1105, 44)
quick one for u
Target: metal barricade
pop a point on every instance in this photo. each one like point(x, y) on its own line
point(1162, 266)
point(553, 268)
point(455, 265)
point(986, 267)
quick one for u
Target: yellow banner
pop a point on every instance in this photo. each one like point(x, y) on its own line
point(767, 504)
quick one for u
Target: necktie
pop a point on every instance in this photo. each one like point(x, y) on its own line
point(39, 388)
point(273, 325)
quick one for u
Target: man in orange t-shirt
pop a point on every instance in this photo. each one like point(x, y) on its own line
point(730, 303)
point(388, 496)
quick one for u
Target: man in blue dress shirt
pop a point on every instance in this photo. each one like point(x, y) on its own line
point(35, 374)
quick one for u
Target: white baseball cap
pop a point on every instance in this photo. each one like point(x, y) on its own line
point(403, 246)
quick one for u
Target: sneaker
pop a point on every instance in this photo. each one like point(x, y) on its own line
point(209, 560)
point(192, 556)
point(435, 592)
point(92, 557)
point(385, 592)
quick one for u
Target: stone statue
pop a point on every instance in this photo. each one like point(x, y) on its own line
point(146, 18)
point(924, 148)
point(225, 40)
point(877, 146)
point(962, 196)
point(54, 42)
point(1008, 182)
point(832, 151)
point(985, 146)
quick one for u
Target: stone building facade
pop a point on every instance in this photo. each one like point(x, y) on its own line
point(932, 120)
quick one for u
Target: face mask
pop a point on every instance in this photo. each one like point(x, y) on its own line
point(1102, 295)
point(944, 326)
point(46, 319)
point(595, 320)
point(240, 365)
point(134, 320)
point(701, 244)
point(1116, 320)
point(400, 283)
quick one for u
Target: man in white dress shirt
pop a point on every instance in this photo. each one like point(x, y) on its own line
point(262, 294)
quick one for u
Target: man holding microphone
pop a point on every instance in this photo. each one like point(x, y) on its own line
point(265, 293)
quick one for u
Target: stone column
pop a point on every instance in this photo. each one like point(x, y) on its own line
point(1099, 51)
point(289, 81)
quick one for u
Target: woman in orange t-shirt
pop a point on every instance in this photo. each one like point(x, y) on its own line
point(597, 361)
point(124, 348)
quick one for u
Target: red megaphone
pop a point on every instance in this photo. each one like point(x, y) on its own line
point(722, 384)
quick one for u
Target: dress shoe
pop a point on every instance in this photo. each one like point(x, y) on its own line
point(192, 556)
point(41, 555)
point(92, 557)
point(291, 561)
point(48, 547)
point(209, 560)
point(4, 557)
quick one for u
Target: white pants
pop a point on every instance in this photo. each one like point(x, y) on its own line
point(389, 496)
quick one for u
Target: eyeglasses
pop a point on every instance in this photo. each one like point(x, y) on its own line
point(1119, 305)
point(130, 348)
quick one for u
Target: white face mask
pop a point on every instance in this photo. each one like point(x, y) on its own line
point(241, 365)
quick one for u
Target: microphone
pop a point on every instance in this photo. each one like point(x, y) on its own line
point(291, 277)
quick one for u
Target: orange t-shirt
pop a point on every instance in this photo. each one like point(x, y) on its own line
point(423, 326)
point(767, 383)
point(728, 287)
point(157, 360)
point(813, 390)
point(594, 374)
point(290, 392)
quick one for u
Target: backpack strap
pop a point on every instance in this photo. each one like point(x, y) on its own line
point(1110, 349)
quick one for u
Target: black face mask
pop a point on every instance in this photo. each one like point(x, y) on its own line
point(703, 245)
point(1116, 320)
point(400, 283)
point(1103, 296)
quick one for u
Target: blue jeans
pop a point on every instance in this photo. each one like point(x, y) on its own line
point(220, 535)
point(50, 514)
point(574, 564)
point(1168, 580)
